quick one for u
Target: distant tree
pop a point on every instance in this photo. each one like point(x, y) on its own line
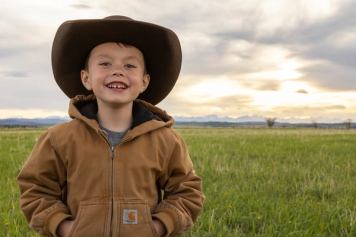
point(348, 123)
point(270, 122)
point(314, 124)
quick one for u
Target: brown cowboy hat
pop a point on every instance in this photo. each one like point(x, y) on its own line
point(75, 39)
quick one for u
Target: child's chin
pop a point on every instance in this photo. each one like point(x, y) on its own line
point(119, 102)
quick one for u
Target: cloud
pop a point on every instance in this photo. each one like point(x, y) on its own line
point(327, 45)
point(33, 93)
point(339, 112)
point(81, 6)
point(234, 106)
point(331, 77)
point(26, 76)
point(238, 36)
point(10, 74)
point(302, 91)
point(240, 57)
point(262, 85)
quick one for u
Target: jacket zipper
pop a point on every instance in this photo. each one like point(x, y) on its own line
point(112, 151)
point(112, 189)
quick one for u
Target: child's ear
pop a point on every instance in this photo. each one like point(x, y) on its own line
point(84, 76)
point(145, 82)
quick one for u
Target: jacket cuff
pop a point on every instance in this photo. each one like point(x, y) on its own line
point(55, 220)
point(169, 219)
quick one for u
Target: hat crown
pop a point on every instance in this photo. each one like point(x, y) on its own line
point(117, 17)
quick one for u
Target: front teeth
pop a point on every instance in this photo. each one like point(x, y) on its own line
point(117, 86)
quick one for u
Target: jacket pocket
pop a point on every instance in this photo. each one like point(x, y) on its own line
point(135, 218)
point(92, 219)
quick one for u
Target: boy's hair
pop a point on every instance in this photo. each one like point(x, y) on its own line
point(75, 39)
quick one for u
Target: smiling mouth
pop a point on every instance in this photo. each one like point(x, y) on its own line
point(117, 85)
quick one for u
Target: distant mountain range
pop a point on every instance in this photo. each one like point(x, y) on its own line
point(178, 119)
point(35, 122)
point(210, 120)
point(216, 118)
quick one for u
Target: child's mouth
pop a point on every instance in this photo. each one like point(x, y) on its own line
point(117, 85)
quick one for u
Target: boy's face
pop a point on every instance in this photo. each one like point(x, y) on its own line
point(116, 74)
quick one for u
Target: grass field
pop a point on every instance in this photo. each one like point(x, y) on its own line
point(257, 182)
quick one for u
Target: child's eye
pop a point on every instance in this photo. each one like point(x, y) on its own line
point(105, 64)
point(130, 66)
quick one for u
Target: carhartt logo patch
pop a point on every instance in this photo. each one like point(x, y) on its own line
point(130, 216)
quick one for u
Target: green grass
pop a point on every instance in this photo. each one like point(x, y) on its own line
point(257, 182)
point(15, 145)
point(275, 182)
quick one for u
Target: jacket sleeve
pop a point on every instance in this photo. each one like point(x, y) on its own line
point(183, 197)
point(41, 182)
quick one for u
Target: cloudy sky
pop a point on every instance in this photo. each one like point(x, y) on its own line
point(289, 59)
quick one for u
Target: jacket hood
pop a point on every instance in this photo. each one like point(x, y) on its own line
point(146, 117)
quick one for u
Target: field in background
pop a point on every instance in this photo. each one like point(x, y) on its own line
point(257, 182)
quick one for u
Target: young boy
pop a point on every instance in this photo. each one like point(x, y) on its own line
point(117, 168)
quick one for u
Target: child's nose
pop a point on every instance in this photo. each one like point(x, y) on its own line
point(118, 71)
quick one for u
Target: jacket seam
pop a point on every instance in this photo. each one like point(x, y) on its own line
point(51, 142)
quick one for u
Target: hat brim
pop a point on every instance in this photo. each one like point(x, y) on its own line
point(75, 39)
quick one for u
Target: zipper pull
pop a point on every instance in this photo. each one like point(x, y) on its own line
point(112, 152)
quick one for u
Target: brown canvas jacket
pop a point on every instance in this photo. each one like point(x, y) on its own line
point(73, 173)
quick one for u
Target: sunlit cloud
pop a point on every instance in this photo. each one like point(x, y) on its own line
point(293, 86)
point(332, 105)
point(281, 74)
point(30, 113)
point(210, 89)
point(302, 91)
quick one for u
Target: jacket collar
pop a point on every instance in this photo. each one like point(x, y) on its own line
point(85, 108)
